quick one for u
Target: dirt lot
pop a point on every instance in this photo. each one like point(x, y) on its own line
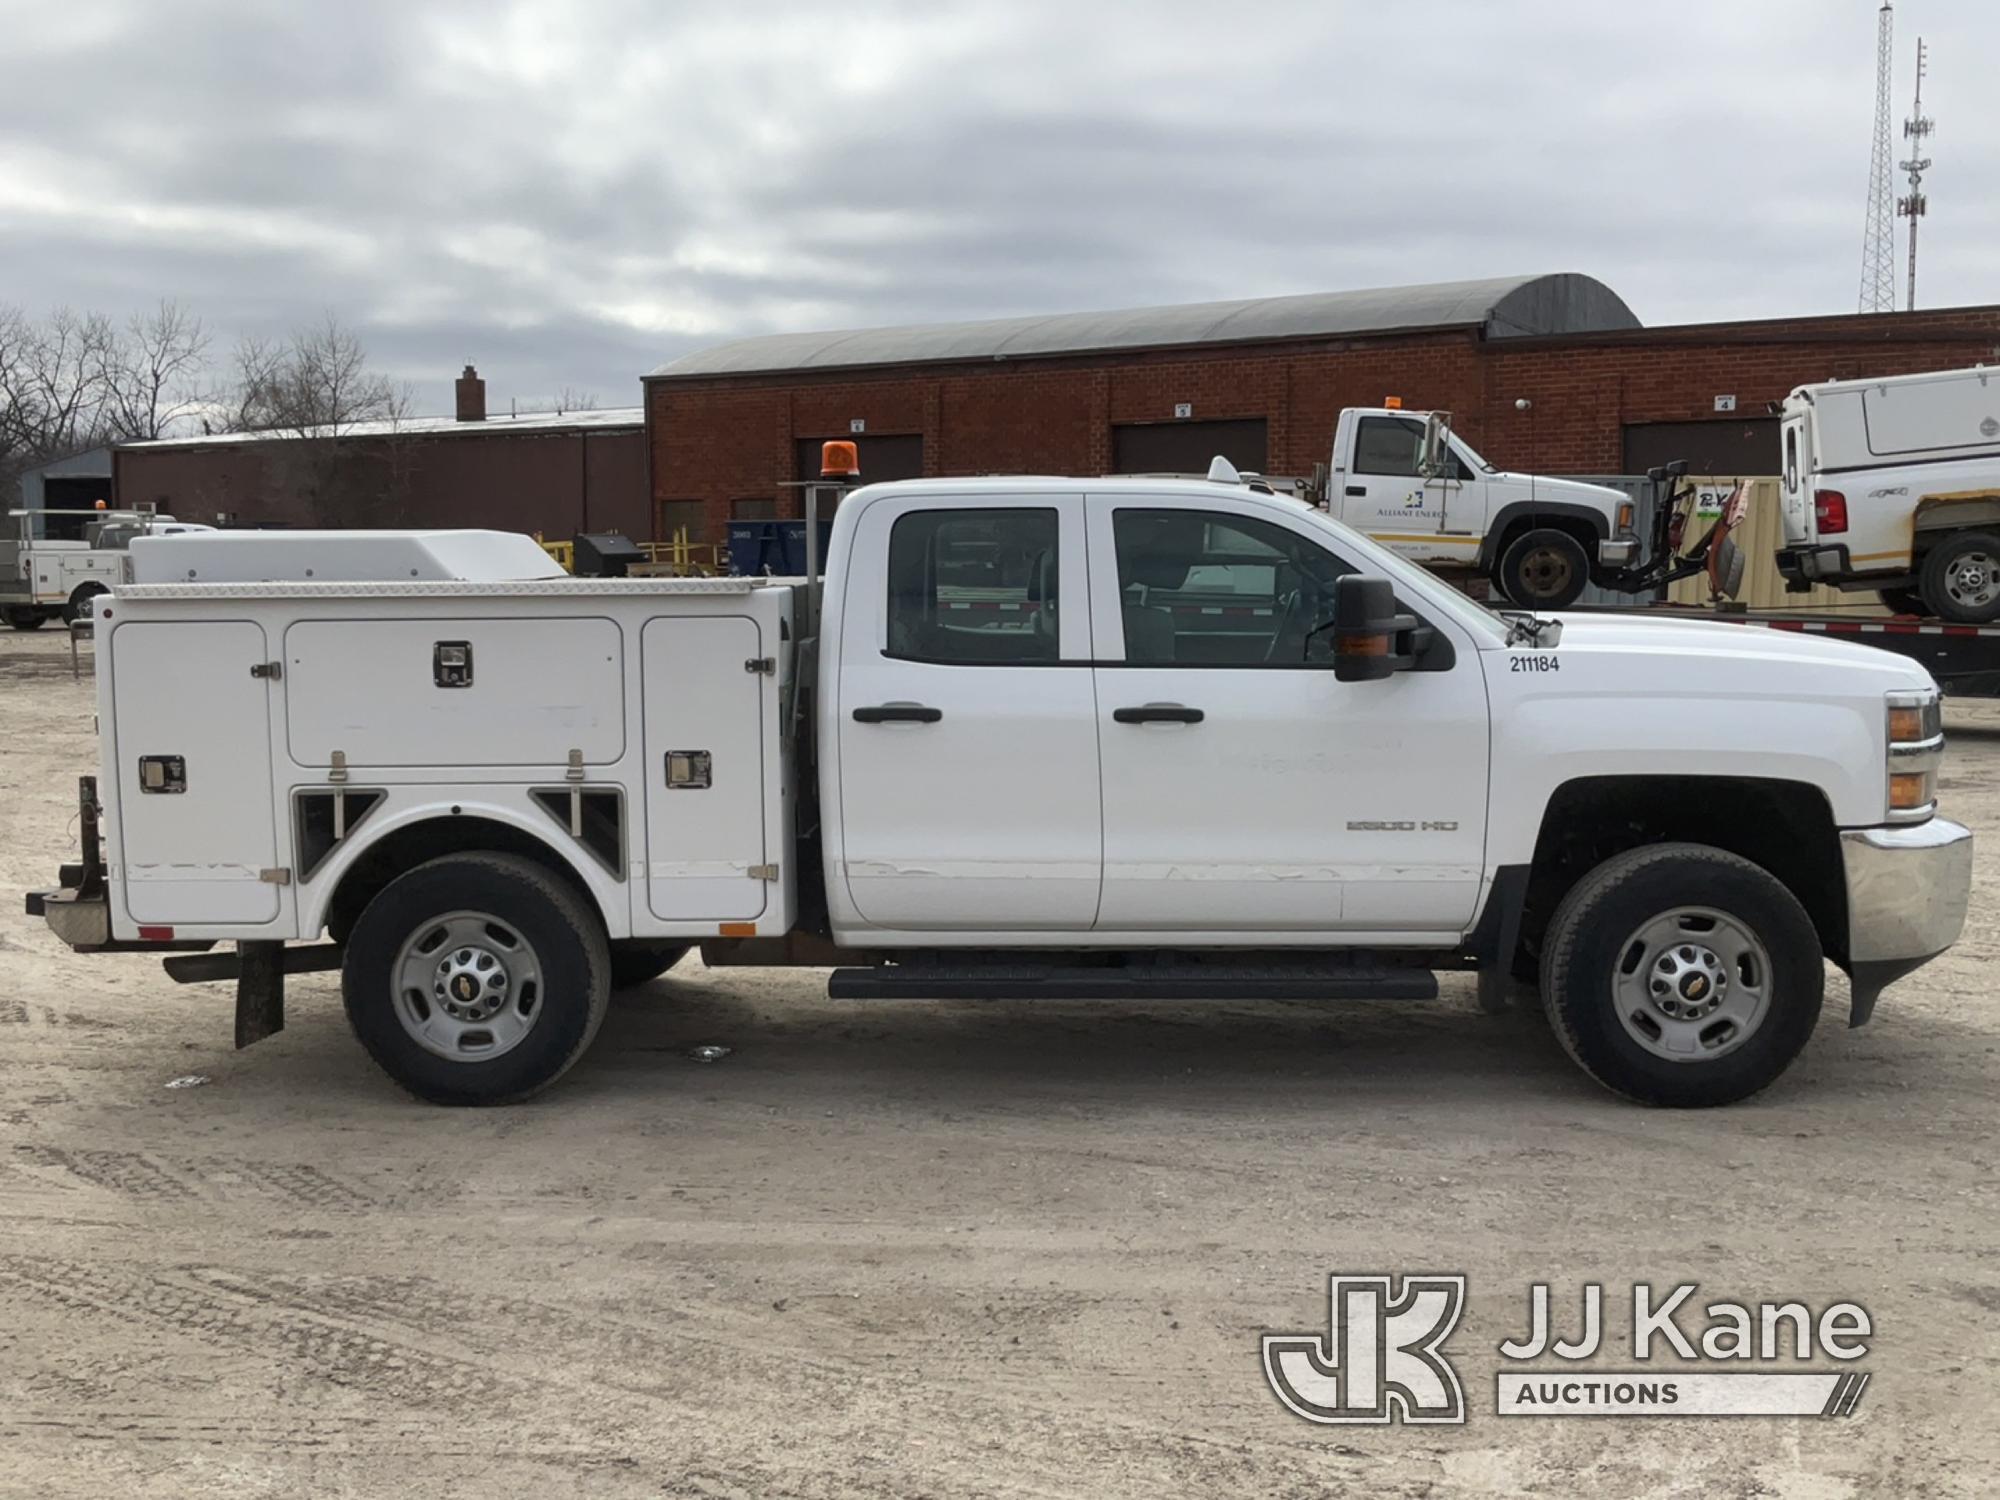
point(906, 1249)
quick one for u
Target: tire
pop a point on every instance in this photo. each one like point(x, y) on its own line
point(82, 602)
point(1960, 578)
point(555, 978)
point(26, 617)
point(1904, 601)
point(1599, 937)
point(1542, 569)
point(634, 961)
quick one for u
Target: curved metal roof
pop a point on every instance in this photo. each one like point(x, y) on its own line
point(1501, 307)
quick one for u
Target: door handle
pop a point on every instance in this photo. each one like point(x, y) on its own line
point(898, 713)
point(1158, 713)
point(1357, 489)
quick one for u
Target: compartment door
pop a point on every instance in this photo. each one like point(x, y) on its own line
point(704, 729)
point(195, 820)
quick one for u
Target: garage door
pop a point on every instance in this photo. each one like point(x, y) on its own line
point(1187, 447)
point(1734, 447)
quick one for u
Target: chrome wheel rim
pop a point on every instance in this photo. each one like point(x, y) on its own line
point(1692, 984)
point(468, 986)
point(1973, 579)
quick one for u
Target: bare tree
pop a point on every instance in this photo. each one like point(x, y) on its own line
point(155, 375)
point(317, 384)
point(317, 388)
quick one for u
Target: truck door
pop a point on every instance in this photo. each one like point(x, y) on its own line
point(192, 734)
point(1383, 495)
point(1245, 790)
point(966, 774)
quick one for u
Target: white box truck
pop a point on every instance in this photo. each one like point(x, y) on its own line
point(1893, 485)
point(1040, 737)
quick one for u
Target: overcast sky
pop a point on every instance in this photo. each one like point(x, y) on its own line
point(570, 194)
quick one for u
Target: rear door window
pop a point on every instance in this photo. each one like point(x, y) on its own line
point(974, 587)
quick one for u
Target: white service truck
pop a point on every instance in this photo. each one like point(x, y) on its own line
point(1036, 738)
point(1405, 479)
point(1893, 485)
point(44, 578)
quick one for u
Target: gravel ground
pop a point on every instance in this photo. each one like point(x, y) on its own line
point(898, 1249)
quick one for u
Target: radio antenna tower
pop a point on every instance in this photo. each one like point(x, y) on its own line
point(1878, 245)
point(1913, 205)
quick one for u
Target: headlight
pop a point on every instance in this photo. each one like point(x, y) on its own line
point(1916, 745)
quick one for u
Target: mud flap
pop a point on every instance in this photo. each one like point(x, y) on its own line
point(260, 992)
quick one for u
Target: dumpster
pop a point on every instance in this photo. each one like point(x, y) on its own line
point(776, 548)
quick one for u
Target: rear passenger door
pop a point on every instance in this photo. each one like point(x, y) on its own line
point(965, 722)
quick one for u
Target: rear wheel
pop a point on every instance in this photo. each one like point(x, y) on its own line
point(26, 617)
point(1543, 569)
point(83, 601)
point(634, 961)
point(476, 978)
point(1681, 975)
point(1961, 578)
point(1904, 601)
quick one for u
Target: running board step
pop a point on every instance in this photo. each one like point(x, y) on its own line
point(1140, 982)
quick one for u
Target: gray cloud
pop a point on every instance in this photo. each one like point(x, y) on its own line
point(569, 195)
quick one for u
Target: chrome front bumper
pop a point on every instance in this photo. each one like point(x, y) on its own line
point(1618, 552)
point(1907, 890)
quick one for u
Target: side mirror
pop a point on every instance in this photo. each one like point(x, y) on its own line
point(1370, 639)
point(1434, 452)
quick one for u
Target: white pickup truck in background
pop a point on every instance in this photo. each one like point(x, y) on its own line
point(1071, 737)
point(1406, 480)
point(1893, 484)
point(43, 578)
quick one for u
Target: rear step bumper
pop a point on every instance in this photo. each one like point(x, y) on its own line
point(1139, 982)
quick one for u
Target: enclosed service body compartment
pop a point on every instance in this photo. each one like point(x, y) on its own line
point(483, 690)
point(195, 839)
point(632, 728)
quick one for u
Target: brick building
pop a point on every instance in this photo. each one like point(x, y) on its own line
point(1165, 389)
point(557, 473)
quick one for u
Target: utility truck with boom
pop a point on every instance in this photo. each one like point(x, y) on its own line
point(1031, 737)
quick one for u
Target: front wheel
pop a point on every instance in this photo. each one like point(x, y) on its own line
point(1960, 578)
point(1682, 975)
point(1543, 569)
point(476, 978)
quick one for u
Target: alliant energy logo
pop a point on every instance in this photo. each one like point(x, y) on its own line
point(1382, 1357)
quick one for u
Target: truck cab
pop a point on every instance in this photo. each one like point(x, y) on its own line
point(1541, 541)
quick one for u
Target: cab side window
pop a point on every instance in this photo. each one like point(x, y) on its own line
point(974, 587)
point(1388, 445)
point(1201, 588)
point(1391, 445)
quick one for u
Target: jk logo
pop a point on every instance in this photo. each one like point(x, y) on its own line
point(1379, 1359)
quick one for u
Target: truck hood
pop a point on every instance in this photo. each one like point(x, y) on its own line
point(1731, 644)
point(1595, 495)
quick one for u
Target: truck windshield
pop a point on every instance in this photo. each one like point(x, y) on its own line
point(1371, 557)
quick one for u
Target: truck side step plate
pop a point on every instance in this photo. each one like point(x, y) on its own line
point(1138, 982)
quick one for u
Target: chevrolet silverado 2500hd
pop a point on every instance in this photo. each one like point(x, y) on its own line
point(1068, 737)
